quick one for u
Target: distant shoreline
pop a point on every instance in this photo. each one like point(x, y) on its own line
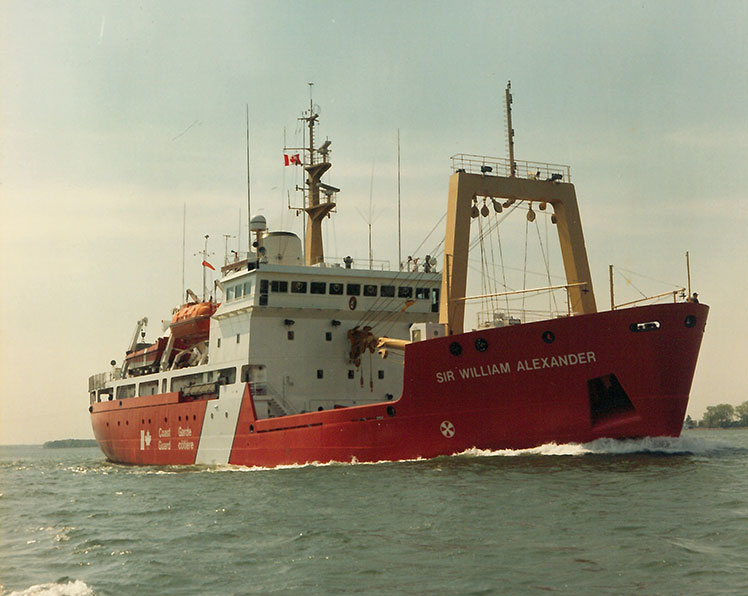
point(63, 443)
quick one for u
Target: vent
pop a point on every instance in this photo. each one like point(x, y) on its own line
point(608, 400)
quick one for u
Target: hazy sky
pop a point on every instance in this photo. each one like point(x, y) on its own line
point(114, 115)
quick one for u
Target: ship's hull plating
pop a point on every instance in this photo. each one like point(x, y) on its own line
point(618, 374)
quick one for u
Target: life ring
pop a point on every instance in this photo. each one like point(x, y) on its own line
point(352, 303)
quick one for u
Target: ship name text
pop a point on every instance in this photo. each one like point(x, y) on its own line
point(528, 364)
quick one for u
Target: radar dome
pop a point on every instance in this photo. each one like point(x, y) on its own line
point(258, 224)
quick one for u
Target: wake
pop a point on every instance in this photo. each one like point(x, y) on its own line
point(59, 588)
point(653, 445)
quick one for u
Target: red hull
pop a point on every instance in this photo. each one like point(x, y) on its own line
point(566, 380)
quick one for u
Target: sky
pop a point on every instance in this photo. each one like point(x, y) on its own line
point(117, 117)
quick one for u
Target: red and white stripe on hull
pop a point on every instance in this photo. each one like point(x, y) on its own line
point(510, 387)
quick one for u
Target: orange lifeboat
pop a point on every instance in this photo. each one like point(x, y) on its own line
point(191, 323)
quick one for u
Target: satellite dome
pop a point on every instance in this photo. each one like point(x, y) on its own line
point(258, 224)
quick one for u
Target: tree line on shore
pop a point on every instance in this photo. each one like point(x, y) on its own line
point(722, 416)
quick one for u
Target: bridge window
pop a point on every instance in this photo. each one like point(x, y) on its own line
point(317, 287)
point(353, 289)
point(336, 289)
point(370, 290)
point(387, 291)
point(278, 286)
point(404, 292)
point(298, 287)
point(423, 293)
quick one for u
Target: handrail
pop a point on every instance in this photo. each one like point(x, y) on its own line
point(673, 292)
point(272, 393)
point(500, 166)
point(564, 286)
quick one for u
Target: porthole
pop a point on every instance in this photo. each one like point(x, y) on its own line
point(690, 321)
point(548, 337)
point(390, 410)
point(455, 348)
point(251, 428)
point(481, 344)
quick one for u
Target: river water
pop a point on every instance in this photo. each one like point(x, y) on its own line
point(653, 516)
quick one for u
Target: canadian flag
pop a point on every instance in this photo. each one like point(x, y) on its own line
point(208, 265)
point(292, 160)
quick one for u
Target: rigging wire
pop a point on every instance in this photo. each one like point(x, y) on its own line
point(524, 273)
point(648, 278)
point(551, 294)
point(503, 268)
point(629, 282)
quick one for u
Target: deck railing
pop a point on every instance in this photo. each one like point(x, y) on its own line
point(499, 166)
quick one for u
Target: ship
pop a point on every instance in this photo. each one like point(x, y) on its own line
point(303, 360)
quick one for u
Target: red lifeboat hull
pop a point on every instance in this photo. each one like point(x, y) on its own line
point(191, 323)
point(146, 357)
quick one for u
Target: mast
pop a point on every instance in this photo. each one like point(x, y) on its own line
point(316, 209)
point(510, 130)
point(399, 230)
point(249, 204)
point(184, 232)
point(205, 259)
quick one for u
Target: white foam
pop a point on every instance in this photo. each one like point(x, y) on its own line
point(667, 445)
point(71, 588)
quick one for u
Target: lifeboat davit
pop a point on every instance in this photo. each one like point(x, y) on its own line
point(191, 323)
